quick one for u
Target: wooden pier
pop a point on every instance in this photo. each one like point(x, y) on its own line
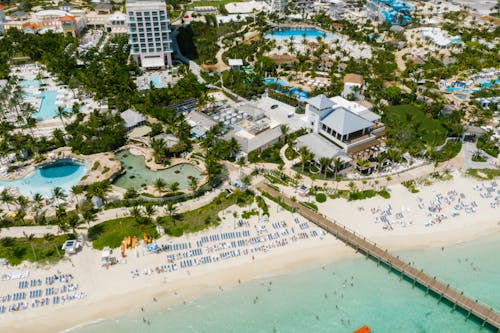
point(443, 291)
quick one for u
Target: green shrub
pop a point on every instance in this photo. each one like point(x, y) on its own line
point(309, 205)
point(320, 197)
point(278, 201)
point(360, 195)
point(410, 185)
point(384, 194)
point(247, 214)
point(262, 205)
point(484, 143)
point(484, 173)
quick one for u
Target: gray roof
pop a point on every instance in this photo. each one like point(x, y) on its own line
point(344, 121)
point(320, 102)
point(170, 139)
point(261, 140)
point(18, 13)
point(132, 118)
point(200, 119)
point(101, 5)
point(369, 115)
point(321, 147)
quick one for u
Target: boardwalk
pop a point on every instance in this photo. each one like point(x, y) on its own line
point(361, 244)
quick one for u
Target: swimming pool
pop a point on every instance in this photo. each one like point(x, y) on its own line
point(156, 81)
point(310, 34)
point(461, 96)
point(48, 107)
point(451, 89)
point(64, 173)
point(294, 91)
point(137, 173)
point(29, 83)
point(274, 80)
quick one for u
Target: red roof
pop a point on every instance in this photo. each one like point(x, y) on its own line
point(2, 7)
point(67, 18)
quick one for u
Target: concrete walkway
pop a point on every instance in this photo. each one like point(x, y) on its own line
point(288, 163)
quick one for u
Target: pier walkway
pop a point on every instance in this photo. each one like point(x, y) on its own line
point(486, 315)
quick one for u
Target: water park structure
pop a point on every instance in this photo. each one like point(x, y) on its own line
point(391, 11)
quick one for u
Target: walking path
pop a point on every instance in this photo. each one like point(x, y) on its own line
point(455, 163)
point(288, 163)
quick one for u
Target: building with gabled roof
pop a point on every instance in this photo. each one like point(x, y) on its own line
point(346, 124)
point(132, 119)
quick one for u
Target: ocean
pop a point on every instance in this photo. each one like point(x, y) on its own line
point(338, 297)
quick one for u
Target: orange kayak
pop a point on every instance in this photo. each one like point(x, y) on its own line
point(363, 329)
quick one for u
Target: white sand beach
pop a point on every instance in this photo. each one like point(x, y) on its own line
point(114, 291)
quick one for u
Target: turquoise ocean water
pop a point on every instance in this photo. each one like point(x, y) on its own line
point(338, 297)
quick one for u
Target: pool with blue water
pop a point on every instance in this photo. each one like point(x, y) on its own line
point(64, 173)
point(309, 34)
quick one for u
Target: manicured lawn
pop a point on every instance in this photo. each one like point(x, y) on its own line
point(204, 216)
point(410, 128)
point(210, 3)
point(450, 150)
point(17, 250)
point(112, 232)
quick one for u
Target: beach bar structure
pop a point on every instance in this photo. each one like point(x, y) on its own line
point(458, 301)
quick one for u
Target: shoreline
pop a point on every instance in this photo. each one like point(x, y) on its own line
point(199, 285)
point(113, 293)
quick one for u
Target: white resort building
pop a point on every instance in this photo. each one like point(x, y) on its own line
point(149, 33)
point(278, 6)
point(349, 125)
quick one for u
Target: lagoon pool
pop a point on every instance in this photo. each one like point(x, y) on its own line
point(137, 173)
point(273, 80)
point(294, 91)
point(63, 173)
point(310, 34)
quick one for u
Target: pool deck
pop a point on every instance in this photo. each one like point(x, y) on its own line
point(106, 160)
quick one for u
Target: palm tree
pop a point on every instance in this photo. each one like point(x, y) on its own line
point(73, 221)
point(324, 162)
point(57, 194)
point(62, 113)
point(193, 183)
point(136, 213)
point(29, 238)
point(89, 216)
point(304, 156)
point(172, 208)
point(337, 163)
point(150, 210)
point(394, 155)
point(62, 225)
point(380, 160)
point(158, 146)
point(174, 186)
point(285, 130)
point(7, 198)
point(75, 191)
point(160, 185)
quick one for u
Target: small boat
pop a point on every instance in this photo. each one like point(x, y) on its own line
point(363, 329)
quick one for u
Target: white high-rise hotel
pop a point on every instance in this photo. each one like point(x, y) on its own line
point(149, 33)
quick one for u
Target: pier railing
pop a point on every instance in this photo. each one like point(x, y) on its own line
point(443, 291)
